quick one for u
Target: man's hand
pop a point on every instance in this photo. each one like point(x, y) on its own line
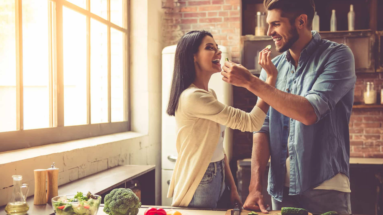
point(254, 202)
point(236, 74)
point(265, 62)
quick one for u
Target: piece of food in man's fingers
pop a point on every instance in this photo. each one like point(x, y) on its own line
point(268, 47)
point(227, 59)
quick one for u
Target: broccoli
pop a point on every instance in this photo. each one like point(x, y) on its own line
point(330, 213)
point(121, 201)
point(293, 211)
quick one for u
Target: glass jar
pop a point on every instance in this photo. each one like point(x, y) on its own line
point(261, 28)
point(369, 93)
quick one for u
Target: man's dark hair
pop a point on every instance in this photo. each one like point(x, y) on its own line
point(291, 9)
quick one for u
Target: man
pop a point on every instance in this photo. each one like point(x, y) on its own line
point(306, 131)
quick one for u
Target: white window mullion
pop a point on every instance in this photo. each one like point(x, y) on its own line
point(19, 65)
point(109, 69)
point(126, 60)
point(59, 64)
point(88, 72)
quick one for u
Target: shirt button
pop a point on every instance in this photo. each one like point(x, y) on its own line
point(292, 72)
point(287, 90)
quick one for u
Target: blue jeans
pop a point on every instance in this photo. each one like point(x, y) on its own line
point(316, 201)
point(211, 187)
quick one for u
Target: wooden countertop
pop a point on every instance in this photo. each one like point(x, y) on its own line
point(353, 161)
point(97, 183)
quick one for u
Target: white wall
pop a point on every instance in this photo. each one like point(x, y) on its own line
point(145, 115)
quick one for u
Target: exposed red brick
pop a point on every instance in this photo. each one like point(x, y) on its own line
point(356, 118)
point(235, 49)
point(185, 27)
point(210, 20)
point(197, 3)
point(188, 9)
point(217, 2)
point(234, 13)
point(376, 118)
point(229, 30)
point(366, 137)
point(366, 125)
point(190, 15)
point(356, 130)
point(189, 21)
point(227, 7)
point(232, 19)
point(356, 154)
point(210, 14)
point(374, 155)
point(222, 25)
point(366, 112)
point(366, 149)
point(235, 25)
point(356, 143)
point(373, 131)
point(233, 2)
point(210, 8)
point(224, 13)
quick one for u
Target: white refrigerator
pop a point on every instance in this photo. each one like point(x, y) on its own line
point(169, 151)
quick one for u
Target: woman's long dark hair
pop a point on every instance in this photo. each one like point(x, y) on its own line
point(184, 71)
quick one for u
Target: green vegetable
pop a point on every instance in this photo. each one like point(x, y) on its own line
point(81, 197)
point(330, 213)
point(227, 59)
point(253, 213)
point(121, 201)
point(293, 211)
point(268, 47)
point(58, 204)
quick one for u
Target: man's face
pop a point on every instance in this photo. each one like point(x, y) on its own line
point(281, 30)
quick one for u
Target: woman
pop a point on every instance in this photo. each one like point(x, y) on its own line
point(202, 170)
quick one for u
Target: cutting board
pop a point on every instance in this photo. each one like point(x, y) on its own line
point(246, 212)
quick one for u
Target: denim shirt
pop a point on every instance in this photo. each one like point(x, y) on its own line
point(325, 76)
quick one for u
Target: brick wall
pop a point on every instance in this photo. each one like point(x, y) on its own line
point(222, 18)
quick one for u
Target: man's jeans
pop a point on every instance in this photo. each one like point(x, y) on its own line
point(316, 201)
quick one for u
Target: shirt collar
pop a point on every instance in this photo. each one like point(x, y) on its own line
point(309, 49)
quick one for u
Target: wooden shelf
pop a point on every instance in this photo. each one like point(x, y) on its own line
point(364, 106)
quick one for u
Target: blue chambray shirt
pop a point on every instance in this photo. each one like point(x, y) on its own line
point(325, 76)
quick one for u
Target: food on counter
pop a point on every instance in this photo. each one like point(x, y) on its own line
point(171, 212)
point(156, 211)
point(293, 211)
point(77, 205)
point(330, 213)
point(253, 213)
point(122, 201)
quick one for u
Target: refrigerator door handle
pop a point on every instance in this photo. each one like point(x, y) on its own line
point(172, 158)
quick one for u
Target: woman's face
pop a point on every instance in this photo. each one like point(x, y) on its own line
point(208, 57)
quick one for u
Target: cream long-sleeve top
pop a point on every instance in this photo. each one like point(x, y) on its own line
point(198, 118)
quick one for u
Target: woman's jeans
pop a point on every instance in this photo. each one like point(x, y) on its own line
point(211, 187)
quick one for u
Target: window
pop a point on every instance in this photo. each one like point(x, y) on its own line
point(63, 71)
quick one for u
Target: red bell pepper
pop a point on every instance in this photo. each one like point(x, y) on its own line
point(86, 206)
point(155, 211)
point(61, 207)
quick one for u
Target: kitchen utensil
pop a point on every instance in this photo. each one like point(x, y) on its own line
point(52, 188)
point(40, 197)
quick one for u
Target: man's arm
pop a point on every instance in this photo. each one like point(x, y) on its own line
point(259, 158)
point(290, 105)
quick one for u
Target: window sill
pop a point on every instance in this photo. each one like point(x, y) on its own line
point(23, 154)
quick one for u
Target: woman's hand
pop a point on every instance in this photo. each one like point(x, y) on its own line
point(234, 197)
point(265, 62)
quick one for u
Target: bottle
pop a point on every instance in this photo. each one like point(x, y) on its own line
point(260, 29)
point(316, 22)
point(351, 19)
point(17, 203)
point(333, 21)
point(369, 93)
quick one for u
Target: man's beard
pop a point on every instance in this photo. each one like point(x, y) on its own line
point(292, 39)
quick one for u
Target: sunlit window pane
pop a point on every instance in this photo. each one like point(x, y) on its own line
point(74, 37)
point(81, 3)
point(99, 72)
point(117, 66)
point(99, 7)
point(117, 8)
point(7, 66)
point(35, 64)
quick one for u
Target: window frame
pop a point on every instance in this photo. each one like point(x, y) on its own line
point(57, 132)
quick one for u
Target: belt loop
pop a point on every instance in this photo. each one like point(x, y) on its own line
point(215, 168)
